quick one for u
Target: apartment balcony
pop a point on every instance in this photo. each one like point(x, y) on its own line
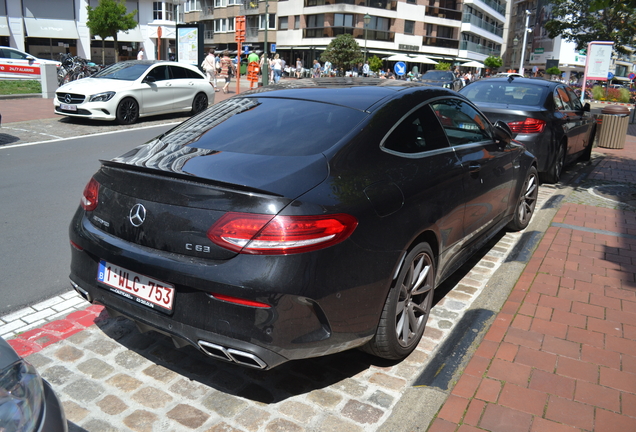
point(206, 13)
point(482, 24)
point(480, 49)
point(356, 32)
point(440, 42)
point(493, 5)
point(377, 4)
point(437, 12)
point(251, 7)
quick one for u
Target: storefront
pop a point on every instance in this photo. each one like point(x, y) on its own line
point(128, 44)
point(48, 38)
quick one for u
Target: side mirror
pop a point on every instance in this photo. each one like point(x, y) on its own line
point(149, 79)
point(587, 107)
point(502, 132)
point(30, 58)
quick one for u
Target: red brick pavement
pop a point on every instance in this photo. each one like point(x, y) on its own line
point(561, 354)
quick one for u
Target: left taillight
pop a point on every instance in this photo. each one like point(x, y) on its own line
point(527, 126)
point(90, 195)
point(280, 235)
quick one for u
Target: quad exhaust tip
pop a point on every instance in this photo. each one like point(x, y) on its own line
point(232, 355)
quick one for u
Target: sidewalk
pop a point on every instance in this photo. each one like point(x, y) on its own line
point(561, 354)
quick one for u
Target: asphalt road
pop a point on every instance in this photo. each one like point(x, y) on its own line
point(41, 186)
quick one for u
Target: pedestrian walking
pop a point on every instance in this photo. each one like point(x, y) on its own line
point(299, 67)
point(140, 54)
point(226, 69)
point(209, 66)
point(316, 69)
point(277, 67)
point(365, 69)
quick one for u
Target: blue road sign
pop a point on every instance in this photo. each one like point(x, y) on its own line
point(272, 48)
point(610, 75)
point(400, 68)
point(246, 49)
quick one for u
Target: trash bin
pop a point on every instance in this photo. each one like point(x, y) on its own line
point(615, 119)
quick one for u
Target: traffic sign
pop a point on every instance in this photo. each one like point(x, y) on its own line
point(610, 75)
point(631, 76)
point(272, 48)
point(400, 68)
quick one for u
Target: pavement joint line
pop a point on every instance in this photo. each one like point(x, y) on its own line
point(593, 230)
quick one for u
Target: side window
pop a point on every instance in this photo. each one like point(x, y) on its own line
point(463, 124)
point(565, 99)
point(418, 132)
point(558, 104)
point(178, 72)
point(160, 73)
point(3, 53)
point(575, 102)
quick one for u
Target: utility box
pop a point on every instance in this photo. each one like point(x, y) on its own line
point(615, 120)
point(48, 79)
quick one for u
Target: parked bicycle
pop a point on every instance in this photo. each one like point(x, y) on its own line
point(73, 68)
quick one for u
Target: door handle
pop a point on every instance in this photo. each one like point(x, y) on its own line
point(474, 168)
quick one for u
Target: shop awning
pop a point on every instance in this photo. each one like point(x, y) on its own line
point(50, 28)
point(4, 26)
point(133, 35)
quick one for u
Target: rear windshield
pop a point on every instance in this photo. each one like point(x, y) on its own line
point(267, 126)
point(505, 93)
point(438, 75)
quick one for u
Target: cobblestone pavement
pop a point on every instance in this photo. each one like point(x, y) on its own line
point(112, 377)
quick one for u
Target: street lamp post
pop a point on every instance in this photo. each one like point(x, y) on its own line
point(525, 38)
point(367, 20)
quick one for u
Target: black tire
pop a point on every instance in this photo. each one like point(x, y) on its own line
point(587, 153)
point(127, 111)
point(199, 103)
point(527, 201)
point(554, 175)
point(407, 307)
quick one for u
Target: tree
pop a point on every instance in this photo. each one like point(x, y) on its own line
point(375, 63)
point(343, 51)
point(493, 63)
point(107, 19)
point(553, 71)
point(582, 21)
point(442, 66)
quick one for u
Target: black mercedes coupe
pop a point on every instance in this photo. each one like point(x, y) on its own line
point(300, 219)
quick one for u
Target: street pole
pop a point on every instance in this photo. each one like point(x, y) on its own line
point(265, 70)
point(525, 38)
point(367, 20)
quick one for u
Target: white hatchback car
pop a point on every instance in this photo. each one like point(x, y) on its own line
point(132, 89)
point(15, 64)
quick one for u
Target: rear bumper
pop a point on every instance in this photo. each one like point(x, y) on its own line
point(311, 314)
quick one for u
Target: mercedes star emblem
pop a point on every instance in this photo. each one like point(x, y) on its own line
point(137, 215)
point(67, 98)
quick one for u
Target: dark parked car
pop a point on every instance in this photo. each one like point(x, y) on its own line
point(446, 79)
point(27, 402)
point(301, 219)
point(546, 116)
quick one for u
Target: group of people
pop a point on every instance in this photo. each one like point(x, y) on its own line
point(219, 67)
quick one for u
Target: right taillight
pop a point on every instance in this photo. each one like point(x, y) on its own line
point(527, 126)
point(90, 195)
point(280, 235)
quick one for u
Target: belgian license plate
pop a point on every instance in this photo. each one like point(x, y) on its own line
point(145, 290)
point(68, 107)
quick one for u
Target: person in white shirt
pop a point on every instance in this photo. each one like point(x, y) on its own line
point(140, 54)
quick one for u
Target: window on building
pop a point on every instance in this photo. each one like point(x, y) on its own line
point(409, 27)
point(220, 3)
point(168, 9)
point(343, 20)
point(272, 22)
point(429, 29)
point(157, 10)
point(283, 23)
point(230, 24)
point(379, 23)
point(445, 32)
point(297, 22)
point(220, 25)
point(316, 21)
point(411, 1)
